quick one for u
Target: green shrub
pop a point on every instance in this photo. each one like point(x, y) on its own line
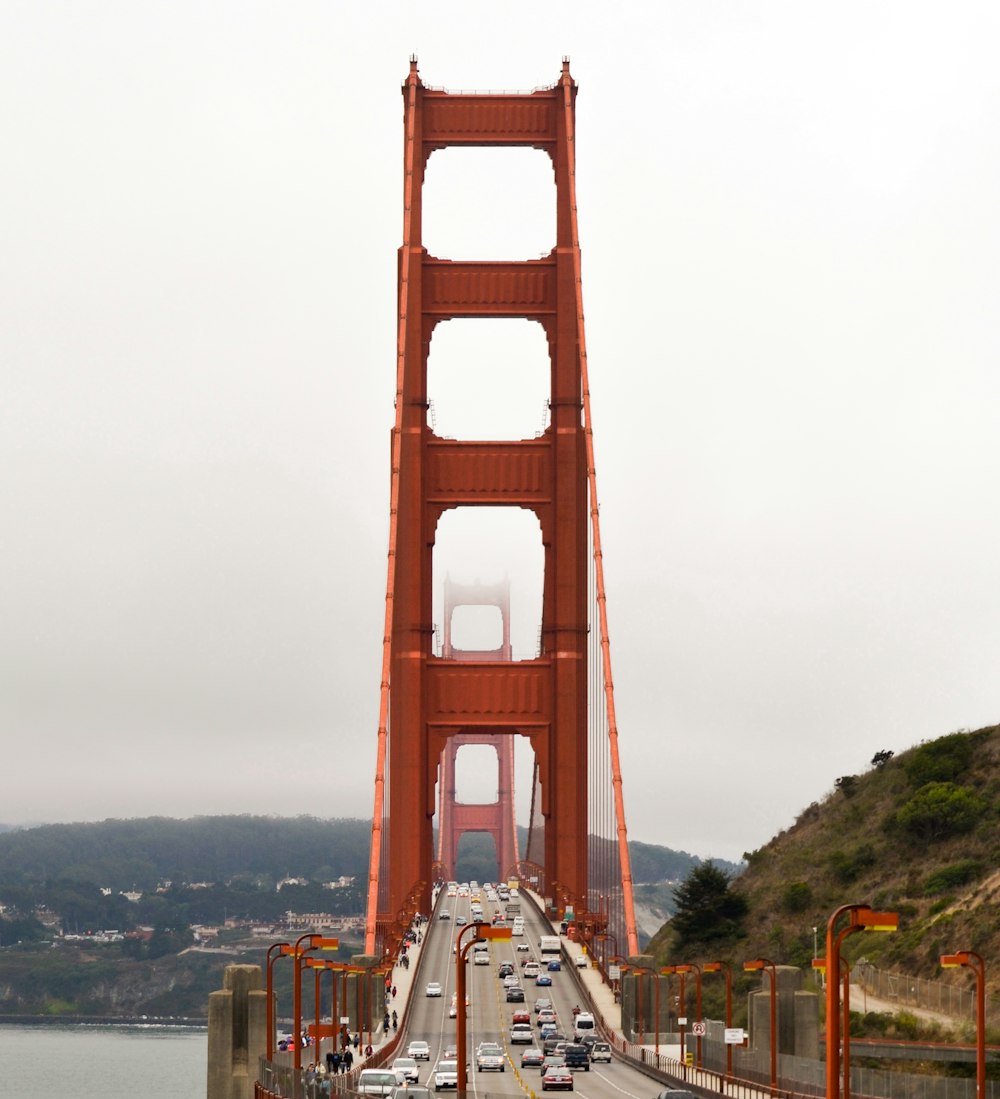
point(942, 760)
point(949, 877)
point(940, 810)
point(847, 866)
point(797, 896)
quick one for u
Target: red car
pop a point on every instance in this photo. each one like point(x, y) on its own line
point(557, 1076)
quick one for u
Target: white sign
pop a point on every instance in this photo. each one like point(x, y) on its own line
point(699, 1030)
point(734, 1036)
point(345, 1019)
point(682, 1020)
point(614, 972)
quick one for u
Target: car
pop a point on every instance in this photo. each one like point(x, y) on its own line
point(552, 1041)
point(490, 1058)
point(419, 1051)
point(376, 1081)
point(450, 1053)
point(505, 969)
point(543, 980)
point(546, 1015)
point(444, 914)
point(542, 1003)
point(410, 1091)
point(532, 1057)
point(521, 1017)
point(546, 1030)
point(675, 1093)
point(453, 1011)
point(481, 959)
point(522, 948)
point(557, 1077)
point(600, 1051)
point(555, 966)
point(522, 1033)
point(433, 989)
point(587, 1039)
point(445, 1075)
point(510, 979)
point(532, 969)
point(461, 921)
point(408, 1067)
point(515, 994)
point(576, 1056)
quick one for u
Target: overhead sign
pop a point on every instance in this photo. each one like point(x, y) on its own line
point(734, 1036)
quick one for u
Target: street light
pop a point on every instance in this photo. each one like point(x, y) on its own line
point(971, 960)
point(727, 969)
point(283, 950)
point(689, 967)
point(863, 918)
point(481, 932)
point(316, 942)
point(763, 963)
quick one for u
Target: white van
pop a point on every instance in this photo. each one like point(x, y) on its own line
point(377, 1081)
point(583, 1024)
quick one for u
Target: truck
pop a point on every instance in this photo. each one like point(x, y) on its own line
point(549, 944)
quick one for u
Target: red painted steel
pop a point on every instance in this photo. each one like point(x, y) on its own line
point(625, 861)
point(495, 818)
point(435, 702)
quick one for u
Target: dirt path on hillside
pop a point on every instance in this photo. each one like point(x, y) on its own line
point(861, 1000)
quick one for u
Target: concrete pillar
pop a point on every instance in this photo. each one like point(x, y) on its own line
point(797, 1010)
point(237, 1033)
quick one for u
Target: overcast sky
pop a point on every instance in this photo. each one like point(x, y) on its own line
point(790, 226)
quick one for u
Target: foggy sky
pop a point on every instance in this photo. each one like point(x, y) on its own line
point(790, 231)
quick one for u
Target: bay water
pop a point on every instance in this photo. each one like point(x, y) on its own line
point(103, 1062)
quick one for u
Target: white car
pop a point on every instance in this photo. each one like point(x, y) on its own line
point(419, 1051)
point(522, 1032)
point(408, 1067)
point(433, 989)
point(522, 948)
point(446, 1075)
point(489, 1057)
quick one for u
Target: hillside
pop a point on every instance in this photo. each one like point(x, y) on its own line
point(917, 833)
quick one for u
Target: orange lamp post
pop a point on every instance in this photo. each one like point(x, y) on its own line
point(481, 932)
point(862, 918)
point(690, 967)
point(726, 969)
point(316, 942)
point(971, 960)
point(666, 971)
point(763, 963)
point(274, 951)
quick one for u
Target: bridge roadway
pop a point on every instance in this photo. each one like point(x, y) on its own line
point(489, 1014)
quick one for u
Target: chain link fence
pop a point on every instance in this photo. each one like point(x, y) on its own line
point(945, 999)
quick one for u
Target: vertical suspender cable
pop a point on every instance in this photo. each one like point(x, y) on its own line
point(375, 859)
point(623, 855)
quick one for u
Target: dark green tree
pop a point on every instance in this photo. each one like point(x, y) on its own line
point(940, 810)
point(707, 908)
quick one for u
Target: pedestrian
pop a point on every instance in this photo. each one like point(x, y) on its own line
point(368, 1050)
point(347, 1061)
point(395, 1021)
point(394, 992)
point(357, 1040)
point(331, 1061)
point(385, 1023)
point(325, 1087)
point(335, 1067)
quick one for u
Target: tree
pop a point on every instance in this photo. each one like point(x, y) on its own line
point(707, 908)
point(940, 810)
point(881, 758)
